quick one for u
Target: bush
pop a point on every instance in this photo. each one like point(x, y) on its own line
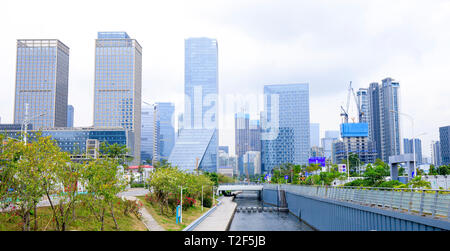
point(134, 185)
point(391, 183)
point(188, 202)
point(207, 202)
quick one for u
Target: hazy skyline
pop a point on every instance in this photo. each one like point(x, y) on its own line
point(323, 43)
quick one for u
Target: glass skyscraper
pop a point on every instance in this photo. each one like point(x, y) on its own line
point(408, 148)
point(444, 136)
point(285, 125)
point(201, 83)
point(197, 142)
point(390, 125)
point(315, 134)
point(149, 131)
point(166, 129)
point(42, 78)
point(118, 83)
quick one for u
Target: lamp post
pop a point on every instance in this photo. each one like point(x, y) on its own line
point(26, 122)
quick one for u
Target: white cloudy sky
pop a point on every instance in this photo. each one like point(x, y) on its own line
point(324, 43)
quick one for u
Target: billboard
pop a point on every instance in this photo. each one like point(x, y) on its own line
point(317, 160)
point(342, 168)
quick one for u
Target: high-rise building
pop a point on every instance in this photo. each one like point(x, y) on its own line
point(149, 131)
point(384, 117)
point(390, 126)
point(444, 135)
point(363, 99)
point(436, 158)
point(197, 143)
point(327, 143)
point(374, 112)
point(42, 78)
point(201, 84)
point(70, 114)
point(315, 134)
point(285, 125)
point(166, 129)
point(118, 84)
point(224, 149)
point(408, 148)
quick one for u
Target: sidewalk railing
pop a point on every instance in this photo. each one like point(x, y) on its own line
point(425, 202)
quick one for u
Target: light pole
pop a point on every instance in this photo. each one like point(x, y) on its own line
point(26, 122)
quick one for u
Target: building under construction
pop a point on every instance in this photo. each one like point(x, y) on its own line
point(354, 136)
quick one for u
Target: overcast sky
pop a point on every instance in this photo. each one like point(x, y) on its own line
point(323, 43)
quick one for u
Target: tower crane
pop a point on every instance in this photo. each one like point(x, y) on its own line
point(344, 112)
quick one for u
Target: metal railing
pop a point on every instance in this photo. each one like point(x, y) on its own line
point(425, 202)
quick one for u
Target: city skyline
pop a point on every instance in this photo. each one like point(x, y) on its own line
point(409, 57)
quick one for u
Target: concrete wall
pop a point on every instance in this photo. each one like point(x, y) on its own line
point(331, 215)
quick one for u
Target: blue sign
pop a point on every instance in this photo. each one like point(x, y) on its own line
point(178, 215)
point(286, 177)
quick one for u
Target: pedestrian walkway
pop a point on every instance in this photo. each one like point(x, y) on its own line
point(147, 218)
point(220, 219)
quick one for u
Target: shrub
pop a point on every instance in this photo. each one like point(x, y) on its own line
point(207, 202)
point(188, 202)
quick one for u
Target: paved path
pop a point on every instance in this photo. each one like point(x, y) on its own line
point(220, 219)
point(147, 218)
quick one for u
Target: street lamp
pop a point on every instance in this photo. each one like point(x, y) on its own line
point(26, 122)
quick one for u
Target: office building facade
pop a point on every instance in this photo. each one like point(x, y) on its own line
point(118, 84)
point(149, 131)
point(42, 79)
point(436, 158)
point(327, 144)
point(444, 136)
point(285, 126)
point(166, 133)
point(315, 134)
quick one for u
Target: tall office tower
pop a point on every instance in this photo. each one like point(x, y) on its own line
point(201, 84)
point(42, 79)
point(444, 135)
point(180, 123)
point(327, 143)
point(241, 137)
point(70, 114)
point(255, 135)
point(374, 112)
point(197, 143)
point(436, 158)
point(384, 118)
point(363, 99)
point(408, 148)
point(149, 129)
point(166, 129)
point(118, 83)
point(315, 134)
point(285, 126)
point(390, 126)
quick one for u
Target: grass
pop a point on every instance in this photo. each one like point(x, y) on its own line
point(84, 221)
point(169, 222)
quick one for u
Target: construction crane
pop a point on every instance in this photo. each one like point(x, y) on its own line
point(344, 112)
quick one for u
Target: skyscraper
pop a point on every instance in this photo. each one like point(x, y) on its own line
point(390, 126)
point(436, 158)
point(149, 131)
point(42, 78)
point(166, 129)
point(197, 141)
point(201, 84)
point(118, 83)
point(363, 99)
point(408, 148)
point(374, 112)
point(315, 134)
point(285, 125)
point(444, 135)
point(70, 114)
point(384, 118)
